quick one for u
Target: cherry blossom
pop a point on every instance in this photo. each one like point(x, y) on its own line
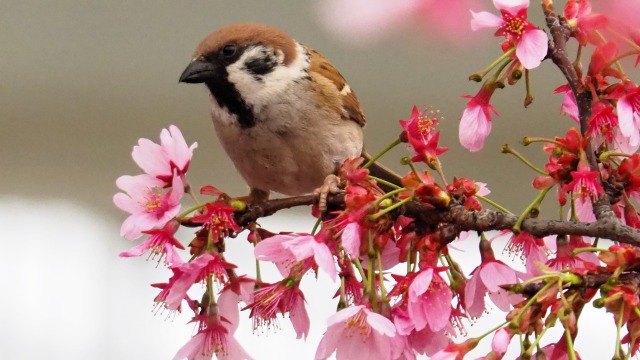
point(358, 333)
point(530, 42)
point(161, 242)
point(283, 297)
point(162, 160)
point(147, 202)
point(475, 123)
point(296, 247)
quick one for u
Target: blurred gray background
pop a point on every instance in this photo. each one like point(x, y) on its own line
point(81, 81)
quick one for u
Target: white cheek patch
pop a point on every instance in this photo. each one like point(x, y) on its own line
point(259, 91)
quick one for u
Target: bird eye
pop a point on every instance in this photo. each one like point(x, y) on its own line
point(229, 50)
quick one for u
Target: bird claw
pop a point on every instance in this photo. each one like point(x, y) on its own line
point(331, 185)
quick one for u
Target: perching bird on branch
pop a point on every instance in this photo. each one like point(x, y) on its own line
point(285, 116)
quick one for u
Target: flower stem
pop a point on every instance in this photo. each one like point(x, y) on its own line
point(183, 214)
point(384, 151)
point(534, 205)
point(507, 149)
point(387, 196)
point(479, 75)
point(385, 211)
point(315, 226)
point(384, 182)
point(383, 291)
point(493, 203)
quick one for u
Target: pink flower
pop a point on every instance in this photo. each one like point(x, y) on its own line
point(569, 103)
point(214, 336)
point(358, 333)
point(421, 135)
point(564, 259)
point(629, 115)
point(147, 202)
point(424, 341)
point(297, 247)
point(486, 279)
point(196, 271)
point(429, 300)
point(162, 160)
point(161, 298)
point(603, 122)
point(218, 218)
point(530, 42)
point(161, 242)
point(585, 184)
point(283, 297)
point(475, 123)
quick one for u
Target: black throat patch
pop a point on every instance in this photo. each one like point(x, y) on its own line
point(229, 98)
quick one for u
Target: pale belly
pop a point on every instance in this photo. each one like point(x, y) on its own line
point(291, 156)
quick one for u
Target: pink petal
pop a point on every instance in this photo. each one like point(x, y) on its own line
point(512, 6)
point(474, 293)
point(532, 48)
point(494, 274)
point(300, 320)
point(228, 309)
point(483, 189)
point(438, 307)
point(323, 257)
point(272, 249)
point(474, 128)
point(136, 250)
point(329, 342)
point(380, 324)
point(485, 19)
point(503, 299)
point(343, 315)
point(193, 346)
point(132, 229)
point(351, 240)
point(302, 247)
point(149, 157)
point(625, 117)
point(420, 283)
point(125, 203)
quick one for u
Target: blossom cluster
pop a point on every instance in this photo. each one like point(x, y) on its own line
point(401, 293)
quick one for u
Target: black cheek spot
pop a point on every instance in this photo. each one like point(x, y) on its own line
point(261, 66)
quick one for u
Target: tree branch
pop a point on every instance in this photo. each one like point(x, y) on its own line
point(455, 219)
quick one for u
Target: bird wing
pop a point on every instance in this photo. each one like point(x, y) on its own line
point(319, 66)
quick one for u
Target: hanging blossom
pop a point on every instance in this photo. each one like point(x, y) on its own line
point(147, 201)
point(529, 41)
point(486, 279)
point(284, 297)
point(475, 123)
point(290, 248)
point(162, 160)
point(215, 333)
point(160, 242)
point(358, 333)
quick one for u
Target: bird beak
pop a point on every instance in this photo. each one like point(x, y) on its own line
point(198, 71)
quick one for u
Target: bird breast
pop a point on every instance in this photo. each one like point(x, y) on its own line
point(294, 144)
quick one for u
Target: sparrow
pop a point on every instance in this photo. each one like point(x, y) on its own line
point(285, 116)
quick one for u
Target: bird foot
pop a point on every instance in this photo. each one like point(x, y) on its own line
point(330, 186)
